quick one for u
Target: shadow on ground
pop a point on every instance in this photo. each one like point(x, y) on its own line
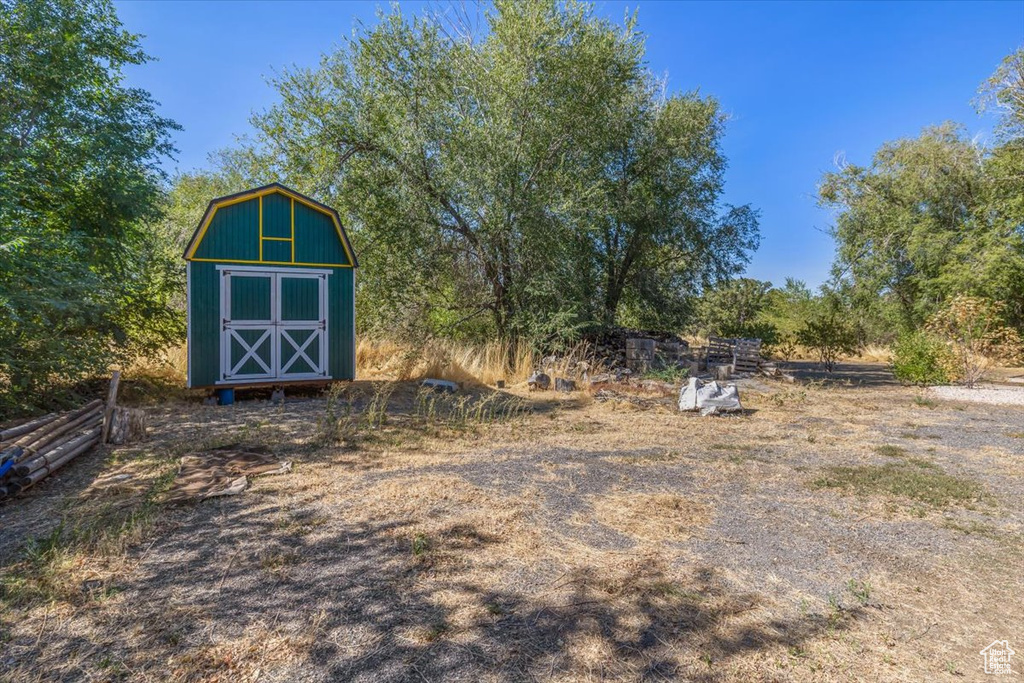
point(225, 593)
point(853, 374)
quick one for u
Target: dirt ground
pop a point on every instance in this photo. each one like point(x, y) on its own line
point(836, 531)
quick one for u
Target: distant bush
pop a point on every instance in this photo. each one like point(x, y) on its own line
point(830, 335)
point(920, 358)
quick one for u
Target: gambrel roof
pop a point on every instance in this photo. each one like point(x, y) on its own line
point(193, 250)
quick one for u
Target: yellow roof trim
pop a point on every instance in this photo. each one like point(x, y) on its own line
point(272, 263)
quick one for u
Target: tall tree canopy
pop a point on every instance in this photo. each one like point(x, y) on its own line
point(533, 179)
point(937, 215)
point(83, 280)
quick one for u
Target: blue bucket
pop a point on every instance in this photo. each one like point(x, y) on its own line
point(225, 397)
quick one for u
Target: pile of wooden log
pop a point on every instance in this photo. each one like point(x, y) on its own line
point(32, 451)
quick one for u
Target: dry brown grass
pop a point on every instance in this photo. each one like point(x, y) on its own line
point(875, 353)
point(171, 364)
point(468, 364)
point(652, 516)
point(585, 541)
point(457, 362)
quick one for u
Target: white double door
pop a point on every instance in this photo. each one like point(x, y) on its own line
point(273, 325)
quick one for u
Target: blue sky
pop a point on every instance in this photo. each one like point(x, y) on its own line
point(803, 83)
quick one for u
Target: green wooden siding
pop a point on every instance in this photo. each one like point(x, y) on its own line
point(233, 234)
point(277, 216)
point(316, 239)
point(205, 323)
point(276, 250)
point(342, 324)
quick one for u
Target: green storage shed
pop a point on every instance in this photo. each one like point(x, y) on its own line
point(271, 292)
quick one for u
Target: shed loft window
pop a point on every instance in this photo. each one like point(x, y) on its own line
point(277, 228)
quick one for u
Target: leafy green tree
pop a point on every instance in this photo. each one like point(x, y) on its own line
point(84, 281)
point(1004, 92)
point(531, 177)
point(829, 331)
point(922, 223)
point(787, 307)
point(661, 234)
point(936, 216)
point(735, 310)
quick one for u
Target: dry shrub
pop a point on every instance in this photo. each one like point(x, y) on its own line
point(443, 359)
point(972, 326)
point(170, 364)
point(652, 516)
point(875, 353)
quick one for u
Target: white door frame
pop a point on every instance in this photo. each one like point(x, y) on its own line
point(275, 327)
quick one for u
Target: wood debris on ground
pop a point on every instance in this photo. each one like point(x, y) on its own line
point(223, 472)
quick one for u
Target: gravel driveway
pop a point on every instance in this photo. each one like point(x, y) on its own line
point(1003, 396)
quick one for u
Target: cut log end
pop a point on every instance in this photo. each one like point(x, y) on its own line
point(127, 425)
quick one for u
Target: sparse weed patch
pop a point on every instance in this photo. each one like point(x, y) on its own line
point(923, 463)
point(672, 375)
point(465, 411)
point(972, 528)
point(861, 590)
point(420, 545)
point(790, 397)
point(651, 456)
point(925, 483)
point(433, 632)
point(278, 563)
point(925, 402)
point(376, 414)
point(891, 451)
point(338, 424)
point(742, 447)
